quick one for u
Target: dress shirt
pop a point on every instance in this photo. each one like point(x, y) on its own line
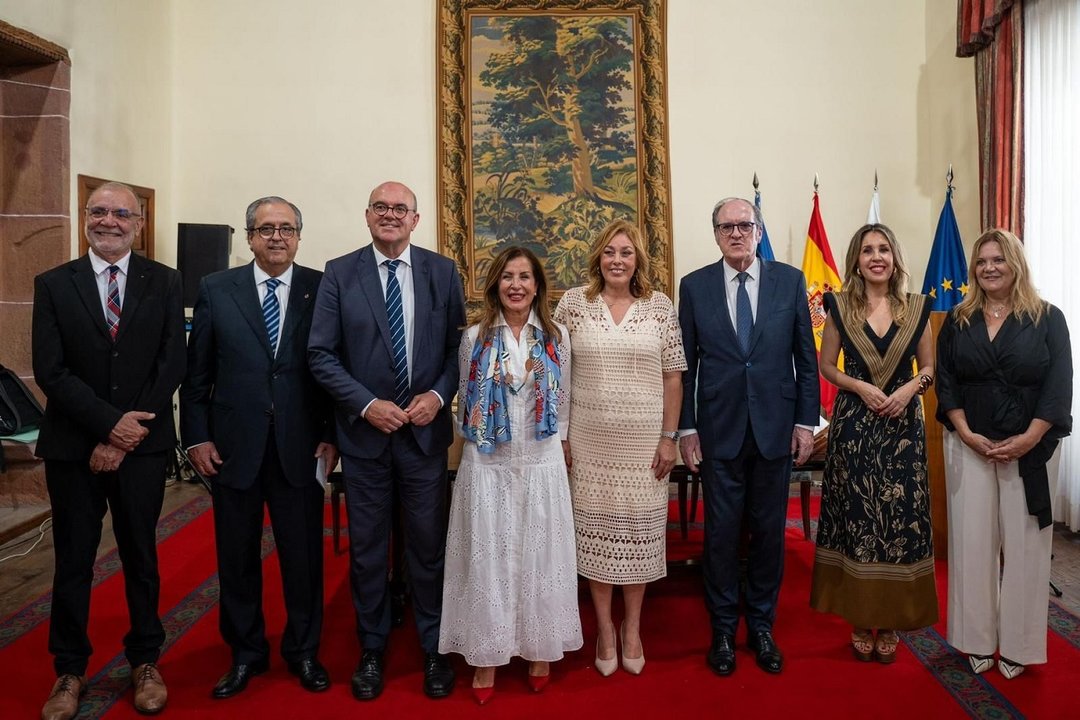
point(101, 276)
point(731, 287)
point(282, 291)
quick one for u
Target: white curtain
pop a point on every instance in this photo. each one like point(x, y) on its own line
point(1052, 192)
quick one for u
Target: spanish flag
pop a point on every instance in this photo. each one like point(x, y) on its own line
point(821, 277)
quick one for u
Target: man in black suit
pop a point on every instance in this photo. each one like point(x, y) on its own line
point(752, 375)
point(384, 343)
point(255, 423)
point(108, 352)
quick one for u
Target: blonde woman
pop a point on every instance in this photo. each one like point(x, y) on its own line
point(625, 400)
point(874, 563)
point(1004, 396)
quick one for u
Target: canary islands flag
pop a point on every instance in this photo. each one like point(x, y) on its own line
point(821, 277)
point(946, 273)
point(764, 248)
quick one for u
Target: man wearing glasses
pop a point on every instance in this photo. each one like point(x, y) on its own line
point(108, 352)
point(384, 344)
point(255, 423)
point(752, 375)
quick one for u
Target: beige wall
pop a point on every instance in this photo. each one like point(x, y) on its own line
point(121, 92)
point(216, 103)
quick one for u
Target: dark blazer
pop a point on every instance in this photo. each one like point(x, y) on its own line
point(234, 386)
point(90, 380)
point(775, 386)
point(350, 353)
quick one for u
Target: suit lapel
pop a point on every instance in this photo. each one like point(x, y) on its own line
point(301, 294)
point(422, 301)
point(371, 285)
point(718, 297)
point(246, 297)
point(137, 279)
point(766, 301)
point(87, 289)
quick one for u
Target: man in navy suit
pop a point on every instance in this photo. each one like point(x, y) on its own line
point(384, 344)
point(255, 422)
point(108, 352)
point(750, 401)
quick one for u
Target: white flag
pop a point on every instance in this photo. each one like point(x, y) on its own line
point(873, 215)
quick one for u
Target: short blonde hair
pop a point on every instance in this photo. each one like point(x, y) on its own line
point(640, 287)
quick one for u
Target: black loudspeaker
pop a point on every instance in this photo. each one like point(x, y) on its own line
point(201, 249)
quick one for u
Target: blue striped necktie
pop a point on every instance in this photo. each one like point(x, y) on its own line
point(744, 316)
point(396, 317)
point(272, 313)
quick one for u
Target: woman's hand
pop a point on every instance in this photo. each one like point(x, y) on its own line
point(896, 403)
point(1012, 448)
point(664, 458)
point(979, 443)
point(567, 457)
point(872, 396)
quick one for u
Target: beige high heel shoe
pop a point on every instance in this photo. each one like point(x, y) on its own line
point(605, 667)
point(634, 666)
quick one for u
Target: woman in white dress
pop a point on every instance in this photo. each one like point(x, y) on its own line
point(627, 393)
point(510, 587)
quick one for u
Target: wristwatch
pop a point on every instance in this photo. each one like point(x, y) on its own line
point(673, 435)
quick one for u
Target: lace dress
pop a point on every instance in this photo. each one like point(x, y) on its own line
point(510, 587)
point(617, 407)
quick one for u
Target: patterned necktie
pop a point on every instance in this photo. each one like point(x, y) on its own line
point(112, 303)
point(396, 317)
point(272, 313)
point(744, 316)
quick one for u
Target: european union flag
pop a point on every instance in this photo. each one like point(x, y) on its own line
point(764, 248)
point(946, 273)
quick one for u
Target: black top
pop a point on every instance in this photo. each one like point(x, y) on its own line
point(1001, 385)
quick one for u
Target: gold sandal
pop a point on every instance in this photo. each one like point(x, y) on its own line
point(862, 645)
point(885, 647)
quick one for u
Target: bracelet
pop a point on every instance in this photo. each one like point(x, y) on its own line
point(670, 435)
point(925, 381)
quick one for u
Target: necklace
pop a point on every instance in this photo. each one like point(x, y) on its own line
point(996, 312)
point(616, 301)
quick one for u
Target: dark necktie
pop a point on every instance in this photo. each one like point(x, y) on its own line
point(744, 316)
point(272, 313)
point(395, 315)
point(112, 303)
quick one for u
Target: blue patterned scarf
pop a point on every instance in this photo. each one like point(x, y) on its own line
point(485, 420)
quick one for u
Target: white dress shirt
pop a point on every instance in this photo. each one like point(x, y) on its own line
point(282, 292)
point(731, 288)
point(101, 275)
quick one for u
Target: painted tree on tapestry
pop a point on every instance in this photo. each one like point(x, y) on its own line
point(554, 143)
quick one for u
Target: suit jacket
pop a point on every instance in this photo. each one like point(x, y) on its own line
point(350, 352)
point(235, 387)
point(90, 381)
point(775, 385)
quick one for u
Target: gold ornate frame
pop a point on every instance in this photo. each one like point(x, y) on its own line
point(455, 170)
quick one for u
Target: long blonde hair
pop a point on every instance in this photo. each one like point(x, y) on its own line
point(488, 314)
point(1023, 297)
point(854, 289)
point(640, 287)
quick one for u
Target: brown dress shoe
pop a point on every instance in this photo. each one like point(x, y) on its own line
point(150, 691)
point(63, 701)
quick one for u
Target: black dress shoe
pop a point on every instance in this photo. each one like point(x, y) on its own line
point(313, 676)
point(367, 682)
point(769, 658)
point(438, 675)
point(721, 657)
point(234, 681)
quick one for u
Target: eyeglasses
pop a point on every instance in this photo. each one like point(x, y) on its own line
point(267, 231)
point(399, 210)
point(100, 213)
point(728, 229)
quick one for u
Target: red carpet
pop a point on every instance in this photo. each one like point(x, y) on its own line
point(820, 678)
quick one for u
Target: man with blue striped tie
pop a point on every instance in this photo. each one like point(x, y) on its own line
point(384, 344)
point(254, 421)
